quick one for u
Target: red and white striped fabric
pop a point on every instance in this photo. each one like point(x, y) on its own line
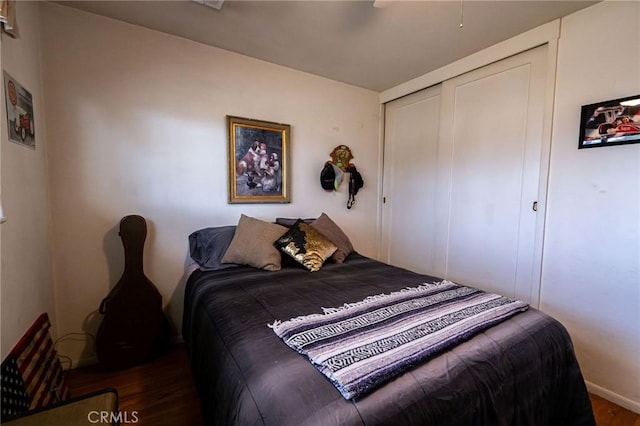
point(39, 365)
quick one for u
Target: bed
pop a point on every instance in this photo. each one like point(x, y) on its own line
point(521, 371)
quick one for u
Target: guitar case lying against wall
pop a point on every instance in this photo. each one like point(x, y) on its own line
point(134, 328)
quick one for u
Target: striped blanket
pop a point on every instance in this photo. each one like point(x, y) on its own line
point(361, 345)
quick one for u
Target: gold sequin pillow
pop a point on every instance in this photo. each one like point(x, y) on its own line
point(306, 246)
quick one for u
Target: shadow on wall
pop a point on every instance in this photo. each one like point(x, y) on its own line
point(112, 248)
point(114, 253)
point(167, 305)
point(176, 302)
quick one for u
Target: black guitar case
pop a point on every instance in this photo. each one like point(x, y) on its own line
point(134, 328)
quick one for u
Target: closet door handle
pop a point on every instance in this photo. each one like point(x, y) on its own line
point(534, 207)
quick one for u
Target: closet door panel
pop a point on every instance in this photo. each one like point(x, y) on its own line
point(409, 184)
point(487, 178)
point(492, 151)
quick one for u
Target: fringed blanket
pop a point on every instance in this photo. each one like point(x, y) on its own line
point(362, 345)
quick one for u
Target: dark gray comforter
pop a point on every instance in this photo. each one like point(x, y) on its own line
point(520, 372)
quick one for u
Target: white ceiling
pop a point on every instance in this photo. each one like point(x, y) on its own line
point(349, 41)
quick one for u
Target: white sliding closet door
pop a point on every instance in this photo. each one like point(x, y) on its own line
point(491, 142)
point(409, 184)
point(464, 163)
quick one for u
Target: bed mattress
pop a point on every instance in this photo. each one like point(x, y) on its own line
point(522, 371)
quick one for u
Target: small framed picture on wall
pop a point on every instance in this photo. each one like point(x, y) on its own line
point(614, 122)
point(19, 102)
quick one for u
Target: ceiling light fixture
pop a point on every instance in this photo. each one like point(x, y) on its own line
point(214, 4)
point(381, 4)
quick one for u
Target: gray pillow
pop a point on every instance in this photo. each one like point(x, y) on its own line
point(329, 229)
point(208, 245)
point(252, 244)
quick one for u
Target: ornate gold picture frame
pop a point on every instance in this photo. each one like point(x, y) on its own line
point(258, 161)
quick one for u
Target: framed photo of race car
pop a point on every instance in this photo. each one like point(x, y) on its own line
point(614, 122)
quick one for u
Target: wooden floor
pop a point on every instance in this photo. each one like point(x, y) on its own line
point(161, 392)
point(609, 414)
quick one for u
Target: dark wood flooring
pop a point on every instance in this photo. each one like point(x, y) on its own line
point(162, 392)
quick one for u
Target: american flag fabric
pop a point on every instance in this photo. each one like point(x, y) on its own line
point(32, 375)
point(14, 395)
point(362, 345)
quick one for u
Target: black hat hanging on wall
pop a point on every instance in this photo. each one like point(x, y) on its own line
point(328, 177)
point(333, 171)
point(331, 177)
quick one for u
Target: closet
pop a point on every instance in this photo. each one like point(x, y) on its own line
point(464, 177)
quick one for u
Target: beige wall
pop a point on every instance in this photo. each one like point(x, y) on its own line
point(591, 268)
point(136, 124)
point(26, 271)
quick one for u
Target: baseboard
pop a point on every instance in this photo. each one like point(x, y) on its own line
point(83, 362)
point(613, 397)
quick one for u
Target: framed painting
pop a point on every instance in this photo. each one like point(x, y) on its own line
point(19, 102)
point(258, 161)
point(614, 122)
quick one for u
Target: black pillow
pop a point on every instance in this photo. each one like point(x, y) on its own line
point(289, 222)
point(306, 245)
